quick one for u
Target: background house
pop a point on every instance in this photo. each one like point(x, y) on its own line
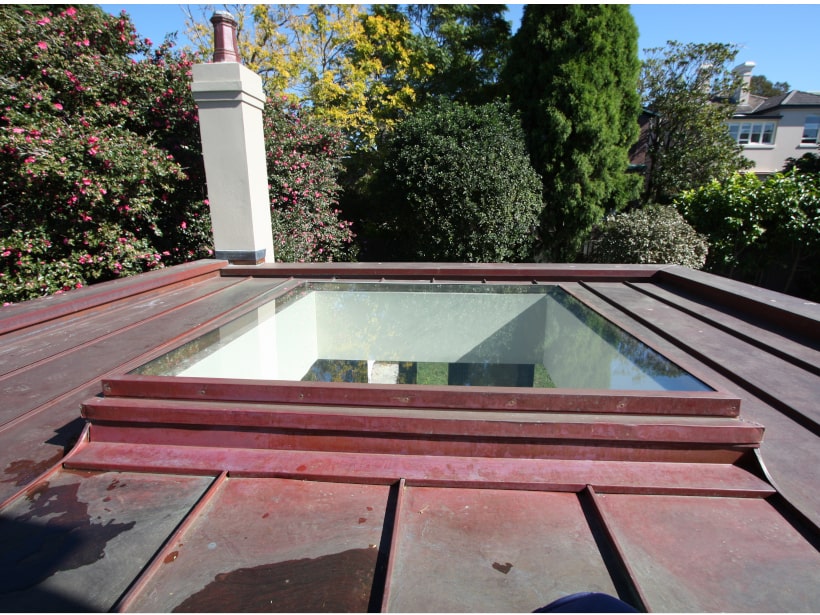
point(773, 129)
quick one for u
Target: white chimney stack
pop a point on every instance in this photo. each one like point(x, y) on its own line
point(230, 99)
point(745, 72)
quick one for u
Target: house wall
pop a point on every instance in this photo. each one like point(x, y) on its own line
point(770, 159)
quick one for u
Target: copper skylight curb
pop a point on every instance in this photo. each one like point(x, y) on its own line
point(510, 399)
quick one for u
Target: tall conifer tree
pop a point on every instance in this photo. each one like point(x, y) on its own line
point(573, 74)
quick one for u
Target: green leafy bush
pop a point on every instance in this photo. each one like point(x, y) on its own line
point(651, 235)
point(763, 232)
point(304, 161)
point(101, 170)
point(729, 214)
point(91, 140)
point(457, 185)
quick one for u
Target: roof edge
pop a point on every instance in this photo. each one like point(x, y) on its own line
point(43, 309)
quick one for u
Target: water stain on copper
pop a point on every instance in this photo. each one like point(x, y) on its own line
point(171, 557)
point(266, 515)
point(115, 484)
point(56, 534)
point(503, 568)
point(36, 492)
point(340, 582)
point(362, 520)
point(24, 471)
point(301, 468)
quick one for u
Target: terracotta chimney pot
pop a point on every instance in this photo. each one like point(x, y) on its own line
point(226, 45)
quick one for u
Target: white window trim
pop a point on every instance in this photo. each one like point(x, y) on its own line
point(811, 120)
point(736, 128)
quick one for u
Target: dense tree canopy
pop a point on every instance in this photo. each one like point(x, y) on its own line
point(457, 185)
point(761, 86)
point(573, 74)
point(465, 46)
point(688, 88)
point(363, 68)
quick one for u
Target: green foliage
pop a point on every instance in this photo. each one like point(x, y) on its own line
point(92, 148)
point(573, 74)
point(756, 228)
point(807, 163)
point(362, 67)
point(101, 171)
point(457, 186)
point(761, 86)
point(304, 158)
point(689, 89)
point(465, 45)
point(653, 234)
point(729, 214)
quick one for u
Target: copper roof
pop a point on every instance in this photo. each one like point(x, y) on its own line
point(138, 493)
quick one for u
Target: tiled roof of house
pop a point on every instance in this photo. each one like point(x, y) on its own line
point(794, 98)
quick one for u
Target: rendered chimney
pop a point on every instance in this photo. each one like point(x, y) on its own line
point(745, 72)
point(230, 100)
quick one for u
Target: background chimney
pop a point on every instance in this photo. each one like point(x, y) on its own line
point(230, 100)
point(745, 72)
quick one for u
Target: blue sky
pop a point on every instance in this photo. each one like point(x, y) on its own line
point(782, 39)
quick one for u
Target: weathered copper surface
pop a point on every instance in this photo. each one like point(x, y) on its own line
point(483, 550)
point(76, 541)
point(197, 495)
point(715, 554)
point(274, 545)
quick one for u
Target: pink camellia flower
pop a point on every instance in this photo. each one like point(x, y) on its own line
point(29, 160)
point(42, 45)
point(44, 21)
point(183, 225)
point(70, 11)
point(58, 106)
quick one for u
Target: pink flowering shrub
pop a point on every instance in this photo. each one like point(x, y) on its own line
point(304, 160)
point(100, 165)
point(101, 170)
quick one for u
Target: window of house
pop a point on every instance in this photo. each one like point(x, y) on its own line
point(811, 129)
point(761, 133)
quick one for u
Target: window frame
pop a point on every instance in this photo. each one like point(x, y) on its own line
point(749, 133)
point(811, 122)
